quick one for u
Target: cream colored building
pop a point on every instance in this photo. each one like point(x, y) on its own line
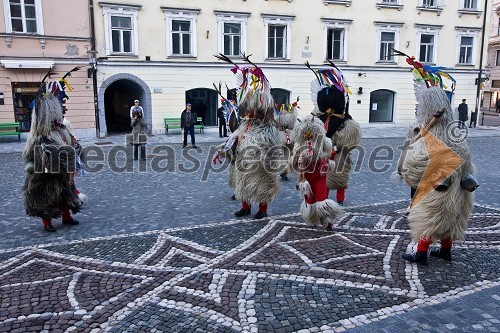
point(492, 86)
point(36, 35)
point(161, 52)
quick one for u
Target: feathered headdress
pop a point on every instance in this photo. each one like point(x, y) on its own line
point(254, 90)
point(329, 78)
point(430, 75)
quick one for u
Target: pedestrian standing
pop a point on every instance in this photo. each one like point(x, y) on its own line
point(137, 108)
point(188, 119)
point(139, 136)
point(463, 112)
point(222, 122)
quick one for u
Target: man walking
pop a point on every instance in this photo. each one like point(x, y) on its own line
point(188, 119)
point(463, 112)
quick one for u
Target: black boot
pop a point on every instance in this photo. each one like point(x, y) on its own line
point(444, 254)
point(260, 215)
point(284, 176)
point(242, 212)
point(49, 228)
point(70, 222)
point(420, 257)
point(233, 197)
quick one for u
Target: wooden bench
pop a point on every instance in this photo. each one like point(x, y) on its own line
point(171, 123)
point(10, 129)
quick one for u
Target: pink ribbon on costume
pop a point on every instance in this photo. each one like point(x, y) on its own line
point(309, 148)
point(288, 141)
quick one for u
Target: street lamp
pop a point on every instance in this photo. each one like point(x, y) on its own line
point(479, 75)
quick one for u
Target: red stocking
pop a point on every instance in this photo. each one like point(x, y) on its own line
point(245, 205)
point(263, 207)
point(46, 221)
point(446, 243)
point(423, 245)
point(340, 194)
point(66, 215)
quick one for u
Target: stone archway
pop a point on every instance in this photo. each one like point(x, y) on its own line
point(121, 85)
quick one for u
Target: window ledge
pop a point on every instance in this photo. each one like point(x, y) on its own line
point(335, 61)
point(465, 65)
point(178, 56)
point(389, 5)
point(437, 10)
point(122, 55)
point(386, 62)
point(347, 3)
point(277, 60)
point(469, 12)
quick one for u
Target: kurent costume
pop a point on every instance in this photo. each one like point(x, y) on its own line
point(440, 169)
point(49, 158)
point(286, 119)
point(310, 158)
point(257, 141)
point(330, 96)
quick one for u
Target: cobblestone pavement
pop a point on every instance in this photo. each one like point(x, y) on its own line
point(160, 252)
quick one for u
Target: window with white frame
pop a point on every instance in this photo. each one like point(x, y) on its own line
point(426, 52)
point(336, 39)
point(470, 4)
point(466, 49)
point(388, 39)
point(335, 44)
point(387, 43)
point(23, 16)
point(498, 28)
point(181, 31)
point(497, 60)
point(429, 3)
point(278, 36)
point(232, 33)
point(120, 22)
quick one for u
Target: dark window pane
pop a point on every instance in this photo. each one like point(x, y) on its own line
point(29, 11)
point(329, 44)
point(17, 25)
point(15, 2)
point(336, 50)
point(186, 48)
point(227, 45)
point(421, 56)
point(127, 41)
point(15, 11)
point(270, 48)
point(29, 2)
point(115, 36)
point(280, 31)
point(31, 26)
point(387, 36)
point(180, 25)
point(121, 22)
point(236, 46)
point(279, 48)
point(176, 45)
point(426, 38)
point(467, 41)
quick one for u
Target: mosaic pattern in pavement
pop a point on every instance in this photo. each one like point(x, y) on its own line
point(272, 275)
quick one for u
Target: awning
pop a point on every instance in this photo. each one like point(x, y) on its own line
point(26, 64)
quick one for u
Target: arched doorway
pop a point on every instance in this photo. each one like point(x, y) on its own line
point(204, 103)
point(118, 99)
point(116, 95)
point(381, 106)
point(280, 96)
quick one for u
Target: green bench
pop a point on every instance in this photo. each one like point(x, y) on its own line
point(171, 123)
point(175, 123)
point(10, 129)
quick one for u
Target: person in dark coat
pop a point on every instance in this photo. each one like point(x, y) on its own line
point(222, 122)
point(463, 112)
point(188, 119)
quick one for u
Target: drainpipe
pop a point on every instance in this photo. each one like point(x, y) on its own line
point(480, 74)
point(93, 64)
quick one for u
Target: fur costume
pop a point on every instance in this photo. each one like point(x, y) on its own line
point(310, 158)
point(330, 96)
point(257, 143)
point(441, 170)
point(286, 119)
point(50, 158)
